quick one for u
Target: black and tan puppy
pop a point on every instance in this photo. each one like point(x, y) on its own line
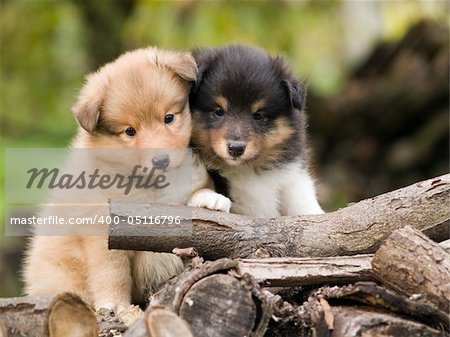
point(249, 126)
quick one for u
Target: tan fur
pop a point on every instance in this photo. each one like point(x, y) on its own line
point(282, 132)
point(137, 90)
point(258, 105)
point(222, 102)
point(260, 148)
point(218, 141)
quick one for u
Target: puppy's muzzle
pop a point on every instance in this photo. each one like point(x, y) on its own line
point(236, 149)
point(161, 162)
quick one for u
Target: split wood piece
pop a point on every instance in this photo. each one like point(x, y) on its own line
point(62, 315)
point(289, 271)
point(414, 265)
point(302, 271)
point(357, 229)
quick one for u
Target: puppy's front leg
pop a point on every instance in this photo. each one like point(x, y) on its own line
point(299, 196)
point(207, 198)
point(109, 275)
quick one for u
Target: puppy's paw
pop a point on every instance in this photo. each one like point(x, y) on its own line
point(115, 307)
point(207, 198)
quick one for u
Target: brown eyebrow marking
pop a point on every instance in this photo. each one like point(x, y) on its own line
point(258, 105)
point(222, 102)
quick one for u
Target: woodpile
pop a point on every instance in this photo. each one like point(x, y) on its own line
point(364, 270)
point(402, 289)
point(224, 298)
point(227, 298)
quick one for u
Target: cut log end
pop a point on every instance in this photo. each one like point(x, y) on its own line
point(163, 322)
point(69, 318)
point(62, 315)
point(219, 303)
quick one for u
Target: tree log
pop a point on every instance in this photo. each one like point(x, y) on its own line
point(357, 229)
point(410, 263)
point(371, 294)
point(62, 315)
point(212, 298)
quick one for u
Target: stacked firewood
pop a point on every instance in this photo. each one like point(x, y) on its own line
point(403, 289)
point(365, 270)
point(405, 292)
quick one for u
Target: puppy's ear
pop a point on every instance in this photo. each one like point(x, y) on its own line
point(204, 58)
point(182, 64)
point(89, 103)
point(296, 92)
point(295, 89)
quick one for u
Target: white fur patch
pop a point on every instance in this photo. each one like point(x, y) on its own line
point(269, 194)
point(207, 198)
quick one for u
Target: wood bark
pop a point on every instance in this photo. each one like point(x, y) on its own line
point(62, 315)
point(410, 263)
point(357, 229)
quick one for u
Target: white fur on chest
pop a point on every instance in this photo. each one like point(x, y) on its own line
point(283, 191)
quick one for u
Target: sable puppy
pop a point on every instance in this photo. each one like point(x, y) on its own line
point(249, 127)
point(137, 102)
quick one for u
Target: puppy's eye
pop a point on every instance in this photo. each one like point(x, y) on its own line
point(169, 118)
point(130, 132)
point(258, 116)
point(218, 112)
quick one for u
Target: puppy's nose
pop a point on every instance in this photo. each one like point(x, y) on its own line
point(161, 161)
point(236, 149)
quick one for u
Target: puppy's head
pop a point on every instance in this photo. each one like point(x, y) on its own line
point(247, 108)
point(138, 101)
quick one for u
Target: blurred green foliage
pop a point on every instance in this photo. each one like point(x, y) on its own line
point(42, 65)
point(48, 46)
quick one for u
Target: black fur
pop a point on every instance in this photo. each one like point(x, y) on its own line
point(221, 184)
point(244, 75)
